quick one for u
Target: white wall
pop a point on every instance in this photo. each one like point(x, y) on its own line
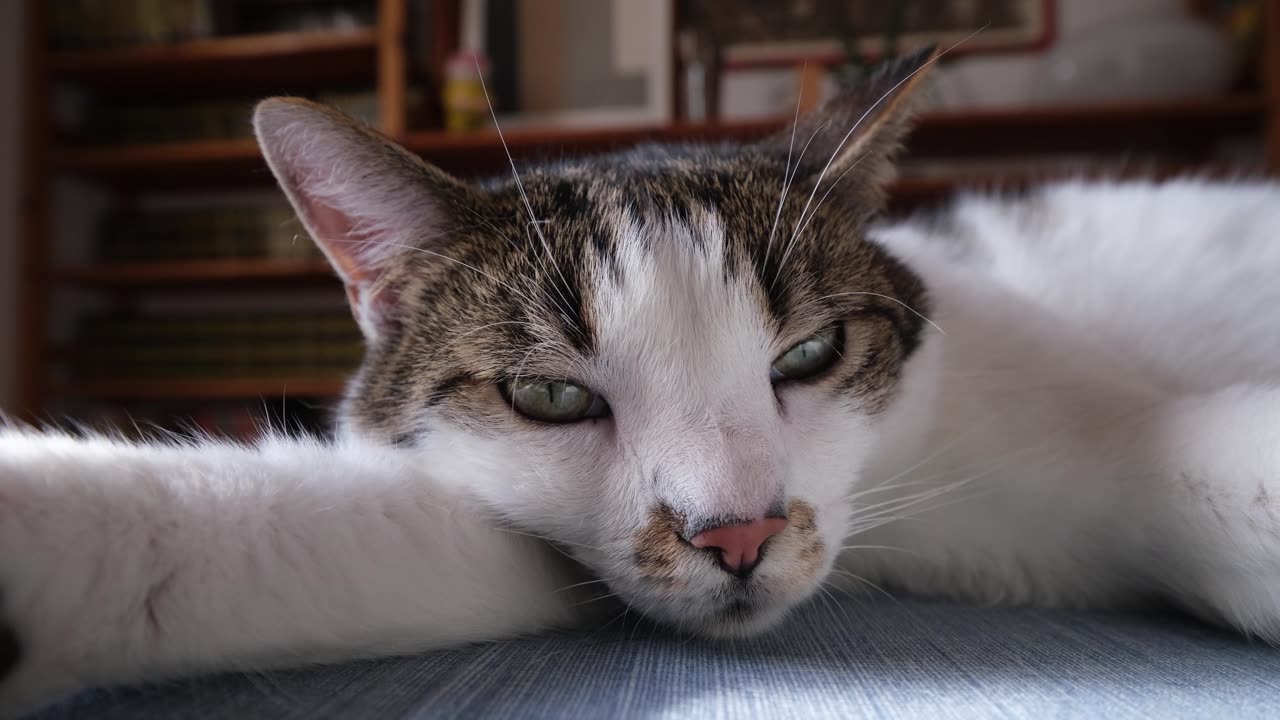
point(11, 52)
point(1002, 79)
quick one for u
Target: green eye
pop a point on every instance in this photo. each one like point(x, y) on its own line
point(807, 358)
point(557, 401)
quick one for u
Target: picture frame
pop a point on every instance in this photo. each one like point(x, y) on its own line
point(771, 33)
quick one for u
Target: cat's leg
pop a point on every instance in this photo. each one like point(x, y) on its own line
point(1214, 511)
point(122, 562)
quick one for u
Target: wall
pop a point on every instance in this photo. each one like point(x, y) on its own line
point(999, 79)
point(11, 52)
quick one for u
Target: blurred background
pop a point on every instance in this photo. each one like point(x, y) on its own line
point(151, 276)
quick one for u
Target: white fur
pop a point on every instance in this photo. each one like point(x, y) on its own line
point(1100, 423)
point(126, 561)
point(1108, 401)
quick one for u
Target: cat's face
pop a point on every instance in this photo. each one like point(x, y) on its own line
point(666, 361)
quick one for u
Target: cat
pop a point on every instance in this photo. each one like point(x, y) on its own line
point(700, 382)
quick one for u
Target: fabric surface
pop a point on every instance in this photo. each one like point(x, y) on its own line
point(858, 658)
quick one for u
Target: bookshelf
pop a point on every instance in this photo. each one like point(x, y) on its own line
point(1179, 124)
point(233, 389)
point(1180, 131)
point(342, 56)
point(185, 274)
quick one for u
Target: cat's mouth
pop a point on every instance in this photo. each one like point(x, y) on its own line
point(742, 613)
point(683, 585)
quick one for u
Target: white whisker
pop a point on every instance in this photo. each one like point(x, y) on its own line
point(879, 547)
point(537, 225)
point(867, 113)
point(867, 582)
point(786, 173)
point(910, 309)
point(554, 541)
point(586, 582)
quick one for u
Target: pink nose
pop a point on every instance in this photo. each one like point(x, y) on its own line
point(739, 545)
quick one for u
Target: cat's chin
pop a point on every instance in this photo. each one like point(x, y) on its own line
point(739, 623)
point(736, 619)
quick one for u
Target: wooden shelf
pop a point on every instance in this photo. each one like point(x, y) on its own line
point(276, 61)
point(1095, 127)
point(176, 165)
point(200, 389)
point(905, 192)
point(185, 274)
point(1182, 126)
point(972, 149)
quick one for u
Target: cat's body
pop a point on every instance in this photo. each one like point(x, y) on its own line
point(691, 374)
point(1108, 402)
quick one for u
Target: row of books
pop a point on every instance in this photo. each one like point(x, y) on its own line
point(107, 23)
point(148, 122)
point(218, 345)
point(268, 233)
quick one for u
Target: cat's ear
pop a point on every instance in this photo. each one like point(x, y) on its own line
point(367, 202)
point(860, 130)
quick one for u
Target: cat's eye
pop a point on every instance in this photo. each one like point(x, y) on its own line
point(557, 401)
point(807, 358)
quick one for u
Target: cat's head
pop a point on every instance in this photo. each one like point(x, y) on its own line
point(673, 361)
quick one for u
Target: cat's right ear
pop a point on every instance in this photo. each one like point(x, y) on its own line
point(367, 202)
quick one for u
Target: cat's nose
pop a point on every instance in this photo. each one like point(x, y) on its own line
point(740, 544)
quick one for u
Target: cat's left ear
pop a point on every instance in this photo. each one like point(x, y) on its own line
point(859, 131)
point(372, 206)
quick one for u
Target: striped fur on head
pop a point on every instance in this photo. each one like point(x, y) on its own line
point(666, 278)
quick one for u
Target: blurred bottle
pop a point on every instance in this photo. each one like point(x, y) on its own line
point(465, 105)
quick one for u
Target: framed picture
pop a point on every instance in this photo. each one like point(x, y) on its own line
point(755, 33)
point(584, 62)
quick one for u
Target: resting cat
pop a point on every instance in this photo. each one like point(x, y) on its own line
point(700, 382)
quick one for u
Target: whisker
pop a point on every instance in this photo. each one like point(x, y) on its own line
point(910, 309)
point(803, 222)
point(876, 104)
point(894, 486)
point(486, 326)
point(821, 201)
point(786, 173)
point(868, 583)
point(908, 500)
point(537, 226)
point(595, 599)
point(879, 547)
point(585, 582)
point(874, 523)
point(442, 256)
point(554, 541)
point(837, 604)
point(835, 153)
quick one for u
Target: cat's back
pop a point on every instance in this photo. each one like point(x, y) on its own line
point(1180, 278)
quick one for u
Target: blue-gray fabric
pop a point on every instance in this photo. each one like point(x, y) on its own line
point(858, 658)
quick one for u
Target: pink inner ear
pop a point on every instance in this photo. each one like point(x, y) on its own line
point(352, 257)
point(333, 229)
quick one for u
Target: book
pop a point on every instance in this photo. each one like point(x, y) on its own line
point(122, 122)
point(79, 24)
point(317, 344)
point(266, 233)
